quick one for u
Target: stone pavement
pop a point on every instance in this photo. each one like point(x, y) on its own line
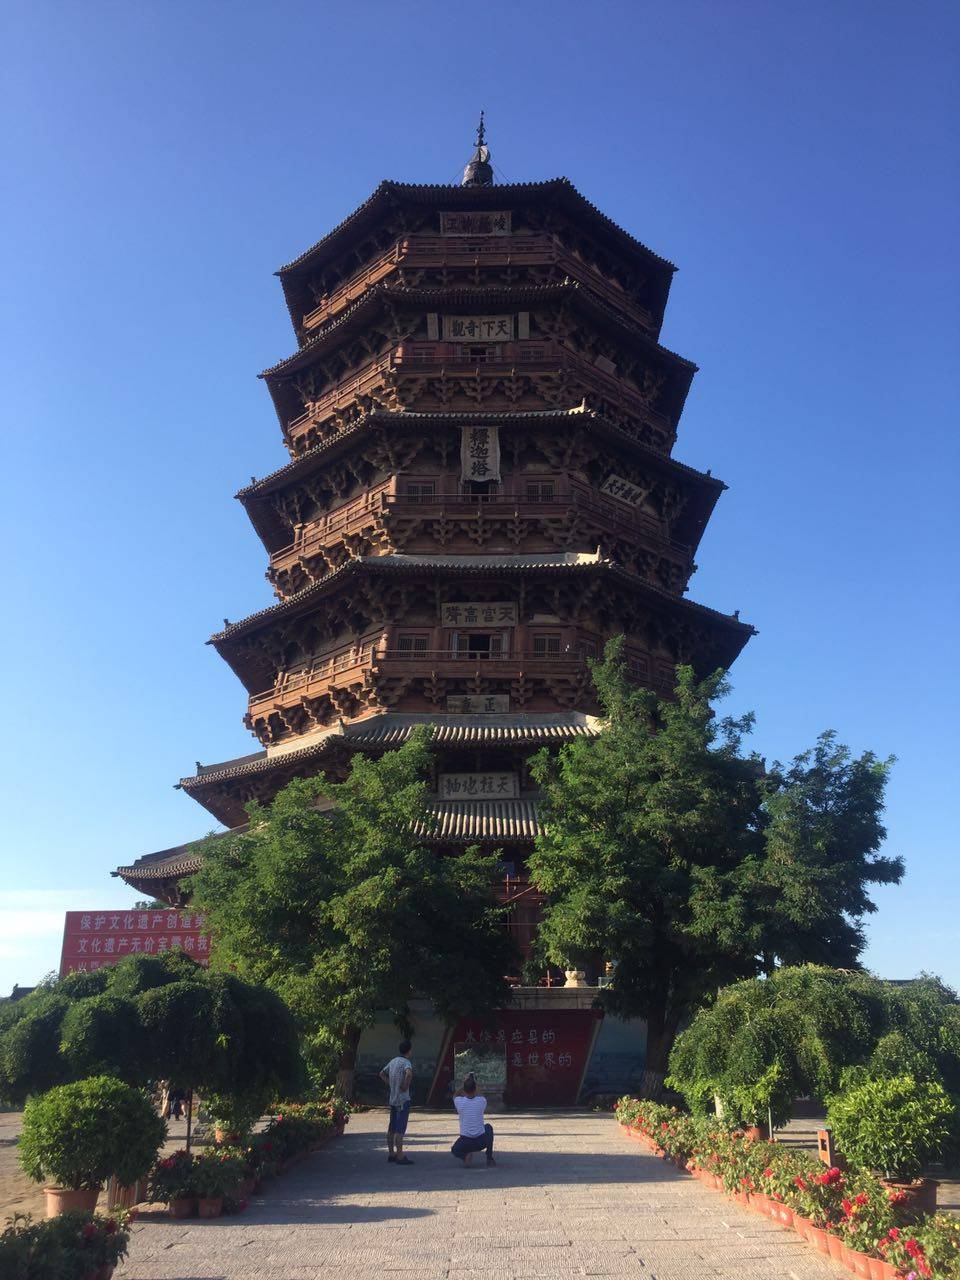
point(570, 1197)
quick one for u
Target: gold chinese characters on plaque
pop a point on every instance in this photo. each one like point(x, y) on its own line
point(478, 328)
point(497, 223)
point(474, 613)
point(478, 703)
point(479, 786)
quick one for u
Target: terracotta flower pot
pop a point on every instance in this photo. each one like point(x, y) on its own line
point(209, 1206)
point(920, 1194)
point(835, 1247)
point(756, 1132)
point(63, 1199)
point(880, 1269)
point(785, 1215)
point(861, 1263)
point(801, 1226)
point(819, 1238)
point(182, 1207)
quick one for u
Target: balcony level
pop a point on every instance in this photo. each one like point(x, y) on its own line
point(543, 672)
point(500, 260)
point(530, 514)
point(498, 377)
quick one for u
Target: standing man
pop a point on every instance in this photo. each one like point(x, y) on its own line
point(397, 1075)
point(475, 1135)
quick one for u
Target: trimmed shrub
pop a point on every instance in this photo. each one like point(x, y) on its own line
point(78, 1134)
point(894, 1127)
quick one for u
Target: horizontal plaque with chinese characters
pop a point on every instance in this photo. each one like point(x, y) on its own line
point(478, 703)
point(479, 786)
point(497, 223)
point(478, 328)
point(479, 454)
point(92, 939)
point(616, 487)
point(479, 613)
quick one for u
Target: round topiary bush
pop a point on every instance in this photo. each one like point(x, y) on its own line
point(892, 1126)
point(78, 1134)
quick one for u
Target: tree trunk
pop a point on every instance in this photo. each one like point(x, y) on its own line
point(347, 1067)
point(661, 1033)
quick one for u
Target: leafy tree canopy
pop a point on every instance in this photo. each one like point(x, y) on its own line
point(332, 901)
point(687, 863)
point(807, 1030)
point(148, 1018)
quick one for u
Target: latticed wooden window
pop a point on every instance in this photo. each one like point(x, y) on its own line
point(542, 491)
point(412, 642)
point(547, 645)
point(420, 489)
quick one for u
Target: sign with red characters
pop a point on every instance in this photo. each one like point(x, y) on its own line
point(92, 939)
point(546, 1054)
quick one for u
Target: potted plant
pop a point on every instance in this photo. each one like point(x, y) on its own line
point(73, 1244)
point(172, 1182)
point(894, 1127)
point(79, 1134)
point(216, 1173)
point(234, 1114)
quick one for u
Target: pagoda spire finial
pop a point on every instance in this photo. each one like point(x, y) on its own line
point(479, 171)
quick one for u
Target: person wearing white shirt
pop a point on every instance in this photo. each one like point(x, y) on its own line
point(397, 1075)
point(475, 1133)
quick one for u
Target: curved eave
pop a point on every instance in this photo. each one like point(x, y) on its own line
point(381, 297)
point(274, 534)
point(461, 568)
point(389, 194)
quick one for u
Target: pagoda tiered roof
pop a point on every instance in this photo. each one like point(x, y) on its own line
point(558, 193)
point(212, 784)
point(705, 487)
point(380, 297)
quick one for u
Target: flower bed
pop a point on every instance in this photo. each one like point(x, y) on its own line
point(222, 1177)
point(849, 1215)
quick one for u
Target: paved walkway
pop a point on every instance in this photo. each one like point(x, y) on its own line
point(570, 1197)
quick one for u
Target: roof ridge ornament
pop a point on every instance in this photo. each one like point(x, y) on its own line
point(478, 171)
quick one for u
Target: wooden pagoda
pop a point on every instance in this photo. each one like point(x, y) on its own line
point(480, 491)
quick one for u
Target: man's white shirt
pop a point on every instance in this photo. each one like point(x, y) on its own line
point(470, 1111)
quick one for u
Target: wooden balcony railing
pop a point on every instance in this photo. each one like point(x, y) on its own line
point(305, 681)
point(425, 252)
point(508, 357)
point(380, 505)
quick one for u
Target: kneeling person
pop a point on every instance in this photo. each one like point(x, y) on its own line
point(475, 1135)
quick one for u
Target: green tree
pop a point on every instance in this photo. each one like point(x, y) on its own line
point(666, 850)
point(332, 901)
point(148, 1018)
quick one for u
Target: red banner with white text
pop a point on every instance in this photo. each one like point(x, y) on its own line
point(92, 939)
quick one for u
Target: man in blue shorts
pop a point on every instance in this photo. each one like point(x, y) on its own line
point(398, 1076)
point(475, 1134)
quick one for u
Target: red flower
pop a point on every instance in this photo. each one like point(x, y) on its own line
point(862, 1198)
point(894, 1233)
point(799, 1182)
point(89, 1230)
point(847, 1207)
point(768, 1172)
point(110, 1226)
point(913, 1248)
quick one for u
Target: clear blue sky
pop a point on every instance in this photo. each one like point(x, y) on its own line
point(162, 159)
